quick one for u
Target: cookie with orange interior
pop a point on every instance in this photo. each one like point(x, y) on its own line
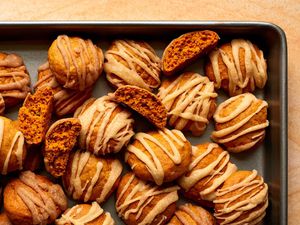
point(76, 63)
point(185, 49)
point(242, 199)
point(60, 140)
point(192, 215)
point(91, 214)
point(143, 102)
point(240, 122)
point(35, 115)
point(209, 168)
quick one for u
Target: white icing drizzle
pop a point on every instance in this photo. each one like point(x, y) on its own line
point(76, 186)
point(153, 163)
point(95, 211)
point(233, 208)
point(44, 202)
point(256, 68)
point(143, 194)
point(16, 147)
point(199, 215)
point(217, 174)
point(134, 54)
point(2, 105)
point(89, 65)
point(99, 123)
point(230, 133)
point(189, 101)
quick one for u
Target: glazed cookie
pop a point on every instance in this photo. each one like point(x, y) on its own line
point(189, 214)
point(190, 100)
point(65, 101)
point(60, 140)
point(106, 126)
point(209, 168)
point(159, 156)
point(12, 147)
point(139, 203)
point(75, 63)
point(143, 102)
point(4, 220)
point(33, 199)
point(91, 214)
point(237, 67)
point(35, 115)
point(242, 199)
point(91, 178)
point(185, 49)
point(130, 62)
point(240, 122)
point(14, 80)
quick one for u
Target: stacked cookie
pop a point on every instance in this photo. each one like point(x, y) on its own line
point(84, 151)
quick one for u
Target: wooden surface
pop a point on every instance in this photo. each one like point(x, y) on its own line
point(286, 14)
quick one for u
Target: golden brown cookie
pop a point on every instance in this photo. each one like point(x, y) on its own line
point(65, 101)
point(4, 220)
point(106, 126)
point(189, 214)
point(143, 102)
point(75, 63)
point(237, 67)
point(185, 49)
point(138, 202)
point(12, 147)
point(81, 214)
point(190, 100)
point(209, 168)
point(35, 115)
point(240, 122)
point(242, 199)
point(14, 80)
point(91, 178)
point(134, 63)
point(159, 156)
point(33, 199)
point(60, 140)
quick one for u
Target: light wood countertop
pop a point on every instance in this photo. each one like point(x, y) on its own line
point(285, 13)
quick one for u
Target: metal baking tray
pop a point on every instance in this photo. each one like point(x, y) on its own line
point(32, 39)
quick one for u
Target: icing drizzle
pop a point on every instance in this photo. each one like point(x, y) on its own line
point(135, 55)
point(233, 132)
point(154, 165)
point(188, 102)
point(255, 66)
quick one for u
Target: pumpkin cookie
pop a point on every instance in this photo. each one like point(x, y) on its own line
point(75, 63)
point(60, 140)
point(134, 63)
point(185, 49)
point(35, 115)
point(143, 102)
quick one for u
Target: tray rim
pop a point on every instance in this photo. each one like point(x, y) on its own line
point(283, 86)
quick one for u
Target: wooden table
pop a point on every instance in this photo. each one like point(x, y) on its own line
point(285, 13)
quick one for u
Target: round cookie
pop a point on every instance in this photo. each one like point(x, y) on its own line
point(237, 67)
point(14, 80)
point(190, 100)
point(33, 199)
point(106, 126)
point(159, 156)
point(240, 122)
point(4, 220)
point(91, 214)
point(189, 214)
point(242, 199)
point(140, 203)
point(75, 63)
point(209, 168)
point(12, 147)
point(65, 101)
point(129, 62)
point(91, 178)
